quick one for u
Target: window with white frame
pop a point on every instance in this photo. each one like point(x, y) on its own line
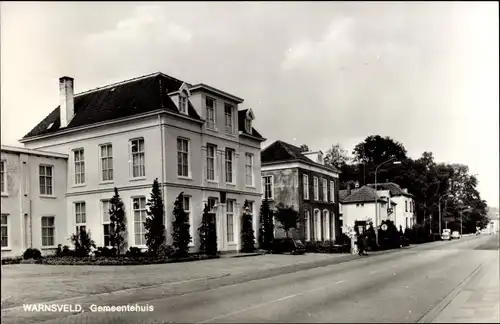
point(250, 207)
point(325, 190)
point(212, 202)
point(332, 191)
point(326, 225)
point(268, 187)
point(48, 231)
point(3, 176)
point(186, 205)
point(138, 159)
point(105, 206)
point(317, 225)
point(140, 214)
point(229, 165)
point(307, 225)
point(305, 183)
point(107, 162)
point(182, 103)
point(210, 109)
point(211, 150)
point(80, 217)
point(79, 159)
point(249, 169)
point(406, 205)
point(230, 221)
point(228, 112)
point(182, 157)
point(5, 230)
point(248, 125)
point(45, 176)
point(316, 188)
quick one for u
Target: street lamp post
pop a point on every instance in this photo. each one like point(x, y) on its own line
point(376, 195)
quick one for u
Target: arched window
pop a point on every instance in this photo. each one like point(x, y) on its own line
point(307, 225)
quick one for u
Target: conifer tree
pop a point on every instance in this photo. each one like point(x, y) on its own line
point(180, 233)
point(155, 229)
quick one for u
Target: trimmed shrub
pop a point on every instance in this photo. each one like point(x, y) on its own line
point(104, 251)
point(32, 254)
point(165, 251)
point(134, 252)
point(119, 260)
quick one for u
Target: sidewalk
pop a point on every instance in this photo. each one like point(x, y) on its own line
point(479, 300)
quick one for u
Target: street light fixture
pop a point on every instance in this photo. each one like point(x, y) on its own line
point(376, 194)
point(439, 206)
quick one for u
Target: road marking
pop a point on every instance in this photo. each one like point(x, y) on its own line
point(374, 271)
point(269, 302)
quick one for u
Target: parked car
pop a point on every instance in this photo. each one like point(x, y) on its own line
point(288, 245)
point(446, 236)
point(455, 235)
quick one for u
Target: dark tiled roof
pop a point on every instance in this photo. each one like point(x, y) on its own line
point(343, 194)
point(363, 194)
point(393, 188)
point(241, 124)
point(280, 151)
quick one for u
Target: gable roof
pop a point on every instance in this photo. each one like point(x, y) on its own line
point(280, 151)
point(363, 194)
point(393, 188)
point(242, 114)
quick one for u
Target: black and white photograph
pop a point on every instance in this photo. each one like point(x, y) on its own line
point(249, 162)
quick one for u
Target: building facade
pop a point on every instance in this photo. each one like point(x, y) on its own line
point(33, 212)
point(192, 138)
point(301, 179)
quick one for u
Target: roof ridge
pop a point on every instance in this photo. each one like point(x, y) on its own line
point(287, 148)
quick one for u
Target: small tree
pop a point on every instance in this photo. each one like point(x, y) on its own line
point(207, 233)
point(155, 230)
point(180, 233)
point(287, 216)
point(83, 243)
point(117, 223)
point(266, 235)
point(247, 233)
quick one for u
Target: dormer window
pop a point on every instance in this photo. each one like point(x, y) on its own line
point(248, 125)
point(182, 104)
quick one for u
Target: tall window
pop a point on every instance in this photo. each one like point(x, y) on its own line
point(249, 169)
point(228, 111)
point(45, 172)
point(305, 183)
point(211, 149)
point(268, 183)
point(248, 125)
point(79, 166)
point(406, 205)
point(3, 177)
point(316, 188)
point(229, 165)
point(332, 191)
point(230, 221)
point(182, 157)
point(107, 162)
point(80, 217)
point(212, 202)
point(105, 222)
point(307, 225)
point(5, 230)
point(48, 231)
point(182, 104)
point(210, 107)
point(138, 165)
point(326, 225)
point(139, 207)
point(325, 190)
point(317, 225)
point(186, 205)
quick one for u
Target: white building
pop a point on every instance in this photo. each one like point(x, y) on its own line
point(192, 138)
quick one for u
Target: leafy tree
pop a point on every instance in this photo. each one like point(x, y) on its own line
point(207, 233)
point(180, 234)
point(287, 216)
point(117, 225)
point(336, 156)
point(155, 229)
point(266, 235)
point(304, 148)
point(247, 233)
point(376, 149)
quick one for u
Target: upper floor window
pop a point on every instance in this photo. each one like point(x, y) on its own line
point(210, 108)
point(316, 188)
point(305, 183)
point(249, 169)
point(248, 125)
point(139, 208)
point(268, 187)
point(211, 150)
point(182, 104)
point(228, 111)
point(3, 176)
point(107, 162)
point(332, 191)
point(45, 173)
point(182, 157)
point(80, 217)
point(138, 158)
point(48, 231)
point(325, 190)
point(229, 165)
point(79, 160)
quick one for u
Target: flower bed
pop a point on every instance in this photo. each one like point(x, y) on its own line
point(119, 260)
point(12, 260)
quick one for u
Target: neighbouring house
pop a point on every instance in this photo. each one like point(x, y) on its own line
point(193, 138)
point(494, 217)
point(33, 188)
point(300, 179)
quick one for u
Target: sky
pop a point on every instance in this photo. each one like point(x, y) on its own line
point(315, 73)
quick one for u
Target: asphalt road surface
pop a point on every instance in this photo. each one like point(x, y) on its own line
point(395, 287)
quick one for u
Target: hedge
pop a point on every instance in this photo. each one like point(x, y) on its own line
point(119, 260)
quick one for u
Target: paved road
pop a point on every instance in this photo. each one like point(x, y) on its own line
point(395, 287)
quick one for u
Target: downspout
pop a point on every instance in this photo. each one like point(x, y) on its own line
point(31, 225)
point(163, 177)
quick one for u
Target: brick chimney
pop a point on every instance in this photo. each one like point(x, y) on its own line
point(348, 189)
point(66, 101)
